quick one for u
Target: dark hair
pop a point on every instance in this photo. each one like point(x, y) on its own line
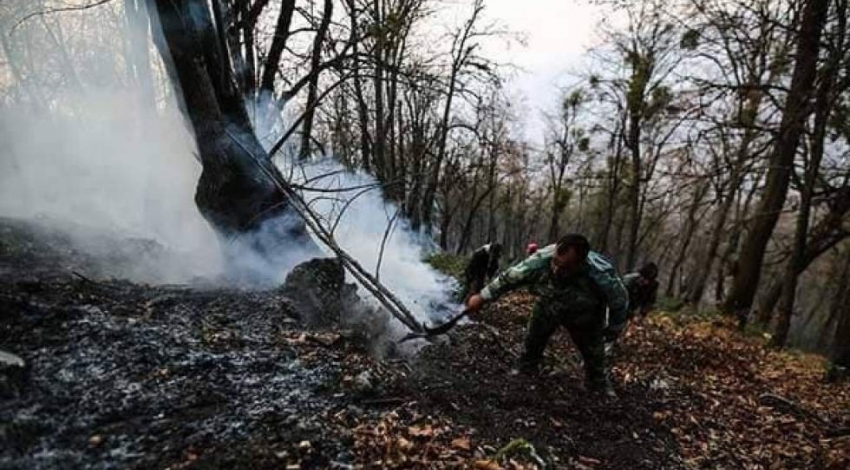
point(649, 271)
point(496, 247)
point(575, 240)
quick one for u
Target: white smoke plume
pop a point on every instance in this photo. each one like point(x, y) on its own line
point(97, 160)
point(374, 232)
point(109, 169)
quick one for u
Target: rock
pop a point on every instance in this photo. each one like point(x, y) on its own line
point(10, 360)
point(318, 291)
point(364, 382)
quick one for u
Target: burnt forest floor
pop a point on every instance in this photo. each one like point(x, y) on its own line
point(128, 375)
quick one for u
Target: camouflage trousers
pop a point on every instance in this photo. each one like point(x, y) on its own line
point(585, 324)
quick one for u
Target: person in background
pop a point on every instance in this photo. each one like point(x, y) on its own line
point(482, 266)
point(643, 289)
point(531, 249)
point(574, 286)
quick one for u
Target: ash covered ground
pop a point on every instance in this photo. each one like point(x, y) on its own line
point(128, 375)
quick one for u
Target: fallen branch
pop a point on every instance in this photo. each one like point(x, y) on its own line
point(313, 221)
point(776, 401)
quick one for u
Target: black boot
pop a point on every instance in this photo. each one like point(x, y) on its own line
point(602, 387)
point(527, 366)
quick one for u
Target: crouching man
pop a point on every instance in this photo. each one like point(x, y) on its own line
point(574, 286)
point(643, 290)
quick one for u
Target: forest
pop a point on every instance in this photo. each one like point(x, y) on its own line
point(171, 172)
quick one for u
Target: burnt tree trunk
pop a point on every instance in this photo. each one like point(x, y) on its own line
point(233, 194)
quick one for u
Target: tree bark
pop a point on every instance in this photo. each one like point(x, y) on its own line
point(791, 126)
point(613, 189)
point(823, 237)
point(823, 109)
point(841, 339)
point(232, 193)
point(696, 287)
point(281, 34)
point(460, 54)
point(690, 228)
point(313, 86)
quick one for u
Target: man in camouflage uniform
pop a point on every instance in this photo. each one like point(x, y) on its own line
point(574, 285)
point(482, 267)
point(643, 289)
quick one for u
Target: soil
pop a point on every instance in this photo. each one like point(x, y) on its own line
point(127, 375)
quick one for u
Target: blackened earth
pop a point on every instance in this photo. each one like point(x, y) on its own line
point(129, 375)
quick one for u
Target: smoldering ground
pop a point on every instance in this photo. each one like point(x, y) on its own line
point(106, 160)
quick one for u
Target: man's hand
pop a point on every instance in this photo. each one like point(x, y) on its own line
point(474, 303)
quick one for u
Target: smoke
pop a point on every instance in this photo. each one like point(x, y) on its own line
point(374, 232)
point(109, 168)
point(97, 160)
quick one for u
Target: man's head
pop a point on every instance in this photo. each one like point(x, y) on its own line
point(648, 272)
point(495, 250)
point(570, 252)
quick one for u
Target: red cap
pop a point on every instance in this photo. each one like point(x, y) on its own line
point(531, 248)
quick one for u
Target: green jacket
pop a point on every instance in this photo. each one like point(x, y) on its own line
point(599, 269)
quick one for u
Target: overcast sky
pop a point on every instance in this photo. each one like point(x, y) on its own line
point(557, 34)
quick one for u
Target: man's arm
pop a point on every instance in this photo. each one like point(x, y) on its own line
point(614, 291)
point(618, 301)
point(517, 274)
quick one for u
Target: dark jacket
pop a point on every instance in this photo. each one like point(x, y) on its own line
point(641, 297)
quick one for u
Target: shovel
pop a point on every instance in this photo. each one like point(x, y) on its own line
point(435, 330)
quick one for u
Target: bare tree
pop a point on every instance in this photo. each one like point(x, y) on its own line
point(795, 112)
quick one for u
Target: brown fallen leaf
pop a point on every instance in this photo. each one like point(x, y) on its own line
point(461, 443)
point(420, 431)
point(404, 445)
point(487, 465)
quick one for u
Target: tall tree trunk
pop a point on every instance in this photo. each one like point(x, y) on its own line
point(313, 86)
point(613, 190)
point(774, 292)
point(799, 258)
point(841, 339)
point(233, 194)
point(823, 109)
point(690, 229)
point(281, 35)
point(460, 54)
point(378, 89)
point(633, 144)
point(795, 112)
point(696, 287)
point(362, 109)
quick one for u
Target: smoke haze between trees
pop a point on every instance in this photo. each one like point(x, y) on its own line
point(106, 171)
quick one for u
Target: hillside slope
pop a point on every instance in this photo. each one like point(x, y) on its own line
point(123, 375)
